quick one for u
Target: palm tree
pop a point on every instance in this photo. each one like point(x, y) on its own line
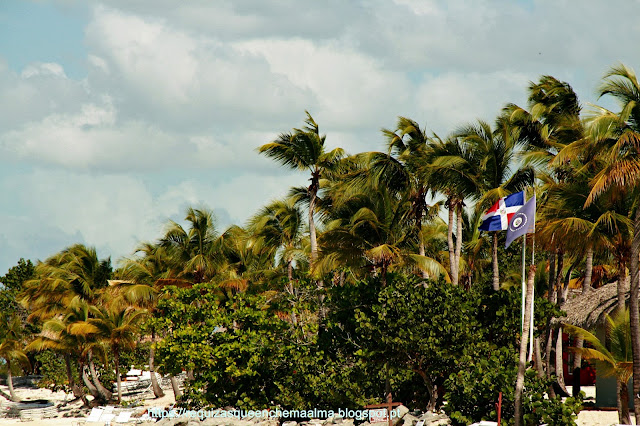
point(408, 146)
point(617, 358)
point(118, 327)
point(279, 228)
point(72, 334)
point(451, 168)
point(617, 136)
point(195, 253)
point(498, 175)
point(75, 271)
point(304, 149)
point(141, 284)
point(551, 124)
point(144, 278)
point(11, 348)
point(371, 226)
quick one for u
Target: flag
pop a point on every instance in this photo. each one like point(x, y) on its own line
point(523, 222)
point(497, 218)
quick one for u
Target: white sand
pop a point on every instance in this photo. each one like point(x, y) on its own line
point(585, 418)
point(29, 394)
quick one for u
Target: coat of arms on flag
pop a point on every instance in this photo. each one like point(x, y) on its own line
point(497, 218)
point(523, 222)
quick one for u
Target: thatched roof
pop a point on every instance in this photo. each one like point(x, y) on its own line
point(587, 309)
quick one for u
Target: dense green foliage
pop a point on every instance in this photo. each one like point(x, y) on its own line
point(11, 284)
point(354, 285)
point(413, 336)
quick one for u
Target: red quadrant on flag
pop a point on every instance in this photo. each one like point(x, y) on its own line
point(497, 218)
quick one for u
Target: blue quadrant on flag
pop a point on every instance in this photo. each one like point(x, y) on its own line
point(497, 218)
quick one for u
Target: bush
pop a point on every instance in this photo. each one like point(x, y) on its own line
point(416, 338)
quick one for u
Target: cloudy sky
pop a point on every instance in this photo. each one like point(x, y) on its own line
point(116, 115)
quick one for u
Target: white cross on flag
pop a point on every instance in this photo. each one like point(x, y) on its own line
point(497, 218)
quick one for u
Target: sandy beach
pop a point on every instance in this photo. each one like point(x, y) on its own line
point(71, 410)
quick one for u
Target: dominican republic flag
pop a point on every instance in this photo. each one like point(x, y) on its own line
point(497, 218)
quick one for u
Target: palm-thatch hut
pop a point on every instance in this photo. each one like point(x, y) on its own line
point(587, 310)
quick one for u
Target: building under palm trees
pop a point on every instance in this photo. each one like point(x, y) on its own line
point(588, 311)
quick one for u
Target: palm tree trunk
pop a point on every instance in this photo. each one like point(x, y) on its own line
point(567, 281)
point(313, 192)
point(555, 280)
point(577, 367)
point(558, 280)
point(634, 316)
point(562, 297)
point(538, 357)
point(157, 390)
point(12, 392)
point(421, 252)
point(291, 289)
point(77, 390)
point(623, 403)
point(552, 273)
point(547, 354)
point(106, 393)
point(523, 347)
point(116, 359)
point(588, 269)
point(290, 274)
point(622, 286)
point(452, 254)
point(549, 329)
point(494, 262)
point(458, 240)
point(87, 382)
point(560, 363)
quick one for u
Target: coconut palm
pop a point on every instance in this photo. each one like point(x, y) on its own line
point(371, 228)
point(498, 174)
point(195, 253)
point(550, 125)
point(408, 146)
point(451, 168)
point(12, 349)
point(142, 283)
point(617, 138)
point(615, 354)
point(304, 149)
point(73, 335)
point(75, 271)
point(55, 335)
point(279, 228)
point(118, 327)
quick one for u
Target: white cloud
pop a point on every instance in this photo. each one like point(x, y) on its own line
point(454, 99)
point(353, 90)
point(115, 212)
point(43, 69)
point(178, 96)
point(164, 74)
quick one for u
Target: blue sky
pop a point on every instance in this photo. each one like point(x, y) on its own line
point(43, 32)
point(118, 114)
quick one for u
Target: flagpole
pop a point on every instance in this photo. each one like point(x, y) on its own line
point(524, 284)
point(533, 259)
